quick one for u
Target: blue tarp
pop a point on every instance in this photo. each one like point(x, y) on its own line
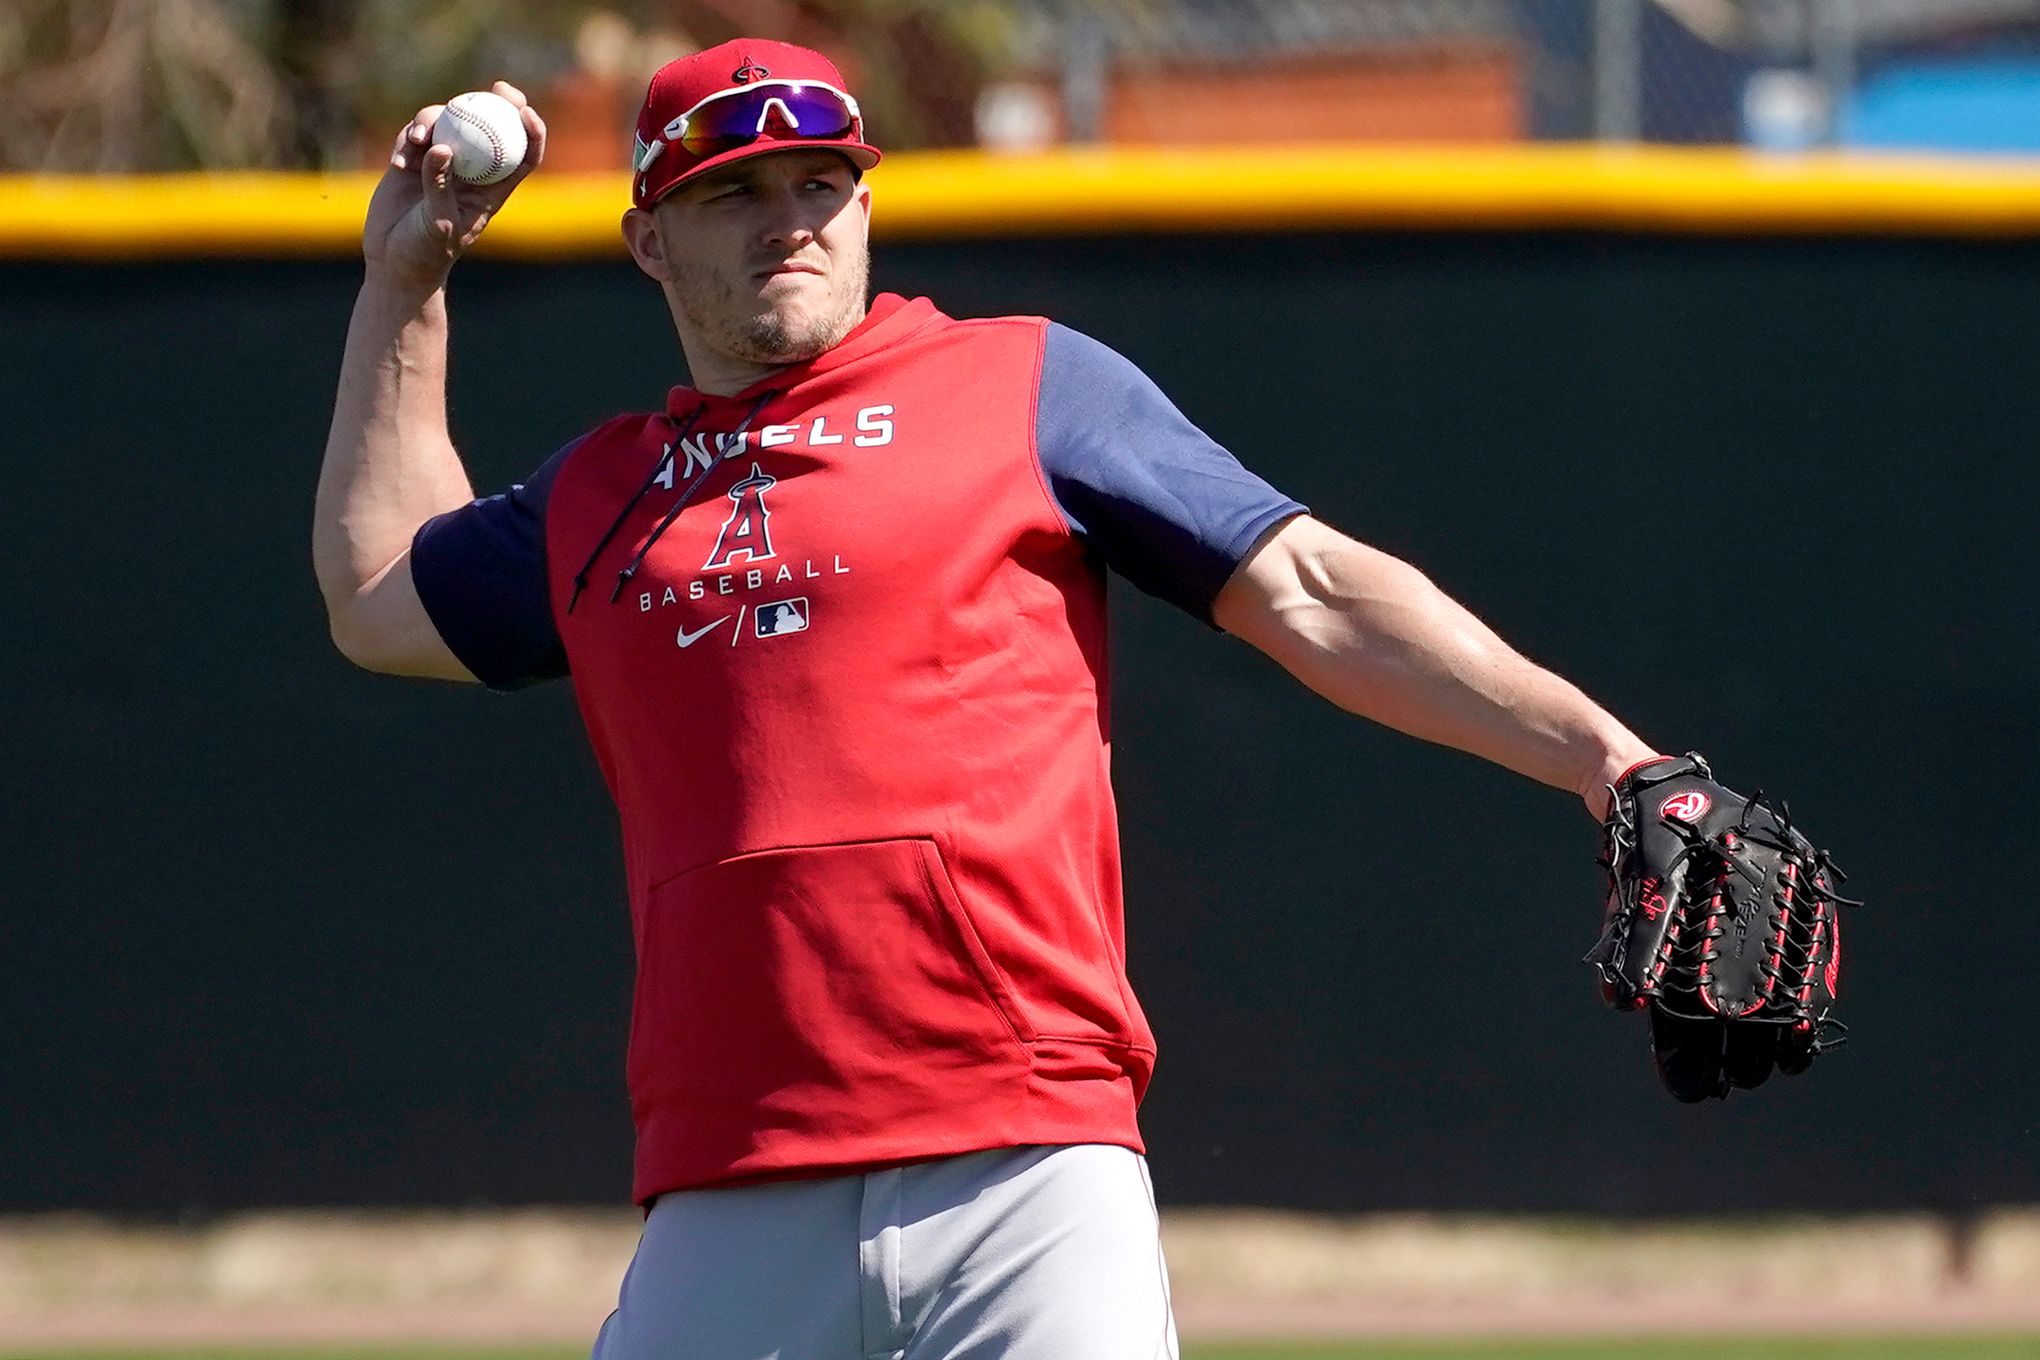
point(1975, 104)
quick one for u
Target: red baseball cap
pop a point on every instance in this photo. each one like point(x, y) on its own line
point(738, 99)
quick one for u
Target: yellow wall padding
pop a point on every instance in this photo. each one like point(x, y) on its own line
point(975, 194)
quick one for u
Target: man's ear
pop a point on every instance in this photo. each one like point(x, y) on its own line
point(863, 193)
point(647, 246)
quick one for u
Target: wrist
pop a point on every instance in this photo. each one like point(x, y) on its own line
point(1614, 764)
point(402, 291)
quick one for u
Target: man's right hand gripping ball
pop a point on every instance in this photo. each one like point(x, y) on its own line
point(421, 218)
point(1722, 921)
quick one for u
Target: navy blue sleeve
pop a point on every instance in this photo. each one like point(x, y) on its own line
point(1153, 495)
point(480, 571)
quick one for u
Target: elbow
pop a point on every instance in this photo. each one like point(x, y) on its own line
point(360, 644)
point(345, 624)
point(386, 648)
point(350, 639)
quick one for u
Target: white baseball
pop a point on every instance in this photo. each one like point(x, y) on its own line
point(486, 133)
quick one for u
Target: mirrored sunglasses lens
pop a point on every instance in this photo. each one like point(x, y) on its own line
point(801, 111)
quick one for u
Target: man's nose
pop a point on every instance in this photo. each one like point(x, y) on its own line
point(786, 220)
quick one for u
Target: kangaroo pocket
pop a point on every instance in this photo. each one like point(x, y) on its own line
point(812, 986)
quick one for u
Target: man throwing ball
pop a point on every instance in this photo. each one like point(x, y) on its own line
point(835, 617)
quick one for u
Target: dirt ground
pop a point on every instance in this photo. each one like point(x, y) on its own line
point(539, 1276)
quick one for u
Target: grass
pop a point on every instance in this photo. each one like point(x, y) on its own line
point(1884, 1348)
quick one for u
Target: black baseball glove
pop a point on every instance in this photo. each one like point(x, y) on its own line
point(1723, 920)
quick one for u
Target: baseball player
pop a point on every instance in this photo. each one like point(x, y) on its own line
point(835, 617)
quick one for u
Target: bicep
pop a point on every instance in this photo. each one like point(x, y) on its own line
point(472, 597)
point(386, 628)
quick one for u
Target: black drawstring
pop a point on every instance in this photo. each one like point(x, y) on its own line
point(665, 457)
point(686, 493)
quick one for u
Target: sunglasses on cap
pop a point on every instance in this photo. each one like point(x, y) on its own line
point(736, 117)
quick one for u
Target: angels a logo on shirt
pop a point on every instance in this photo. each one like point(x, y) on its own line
point(747, 533)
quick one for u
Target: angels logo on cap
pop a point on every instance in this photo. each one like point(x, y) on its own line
point(742, 98)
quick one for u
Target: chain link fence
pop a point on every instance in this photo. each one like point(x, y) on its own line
point(1774, 73)
point(1793, 73)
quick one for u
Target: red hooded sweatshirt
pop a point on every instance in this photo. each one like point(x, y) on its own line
point(839, 643)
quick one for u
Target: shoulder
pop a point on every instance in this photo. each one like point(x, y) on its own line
point(974, 356)
point(1071, 355)
point(597, 457)
point(950, 333)
point(1066, 359)
point(619, 431)
point(1087, 387)
point(1008, 323)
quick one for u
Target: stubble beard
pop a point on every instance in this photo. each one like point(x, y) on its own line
point(710, 303)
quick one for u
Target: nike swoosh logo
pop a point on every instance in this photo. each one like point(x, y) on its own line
point(687, 639)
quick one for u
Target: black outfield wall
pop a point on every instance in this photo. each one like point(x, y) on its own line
point(273, 931)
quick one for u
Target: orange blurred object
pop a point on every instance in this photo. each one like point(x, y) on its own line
point(588, 122)
point(1461, 92)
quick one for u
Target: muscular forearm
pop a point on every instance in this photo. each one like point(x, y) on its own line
point(390, 464)
point(1375, 636)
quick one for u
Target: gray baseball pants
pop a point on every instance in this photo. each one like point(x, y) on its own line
point(1034, 1253)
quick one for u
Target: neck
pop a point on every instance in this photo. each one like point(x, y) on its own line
point(723, 375)
point(716, 372)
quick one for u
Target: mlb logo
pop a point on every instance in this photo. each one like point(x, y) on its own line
point(781, 617)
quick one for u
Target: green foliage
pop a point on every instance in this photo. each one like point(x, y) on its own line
point(96, 85)
point(118, 87)
point(404, 54)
